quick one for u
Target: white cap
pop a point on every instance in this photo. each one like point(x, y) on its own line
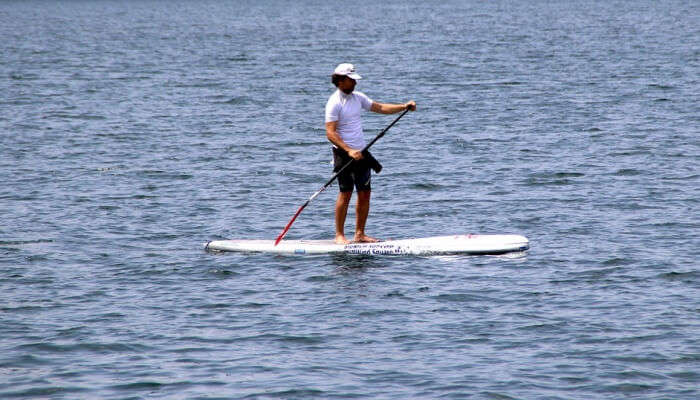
point(347, 70)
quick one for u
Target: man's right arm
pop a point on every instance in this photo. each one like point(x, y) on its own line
point(334, 137)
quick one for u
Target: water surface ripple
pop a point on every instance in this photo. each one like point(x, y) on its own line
point(133, 132)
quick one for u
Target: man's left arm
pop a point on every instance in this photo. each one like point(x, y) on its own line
point(385, 108)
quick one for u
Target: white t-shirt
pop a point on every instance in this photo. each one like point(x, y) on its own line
point(346, 109)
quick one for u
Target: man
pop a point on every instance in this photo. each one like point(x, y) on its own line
point(344, 130)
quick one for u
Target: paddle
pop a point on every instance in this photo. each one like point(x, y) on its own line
point(313, 196)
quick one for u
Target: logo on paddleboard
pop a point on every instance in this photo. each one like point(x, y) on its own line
point(374, 249)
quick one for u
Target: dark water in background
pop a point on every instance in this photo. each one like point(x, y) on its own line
point(133, 132)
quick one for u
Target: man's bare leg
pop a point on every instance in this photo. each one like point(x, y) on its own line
point(362, 211)
point(341, 211)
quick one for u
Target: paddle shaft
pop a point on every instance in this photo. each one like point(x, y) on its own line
point(313, 196)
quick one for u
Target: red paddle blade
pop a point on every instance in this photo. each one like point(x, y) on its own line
point(289, 225)
point(284, 232)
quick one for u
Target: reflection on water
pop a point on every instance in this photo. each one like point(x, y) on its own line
point(352, 263)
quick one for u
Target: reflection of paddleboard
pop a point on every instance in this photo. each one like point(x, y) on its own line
point(456, 244)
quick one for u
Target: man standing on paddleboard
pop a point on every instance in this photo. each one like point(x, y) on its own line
point(344, 130)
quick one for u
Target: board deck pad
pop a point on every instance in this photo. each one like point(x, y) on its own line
point(436, 245)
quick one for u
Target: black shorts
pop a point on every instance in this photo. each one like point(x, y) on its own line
point(357, 175)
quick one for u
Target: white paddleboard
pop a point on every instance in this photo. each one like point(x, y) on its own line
point(455, 244)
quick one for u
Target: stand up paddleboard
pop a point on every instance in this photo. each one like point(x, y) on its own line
point(437, 245)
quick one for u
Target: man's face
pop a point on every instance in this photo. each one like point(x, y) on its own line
point(347, 85)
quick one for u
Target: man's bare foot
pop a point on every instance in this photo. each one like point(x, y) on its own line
point(365, 239)
point(340, 239)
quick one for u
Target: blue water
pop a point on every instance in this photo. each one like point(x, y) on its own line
point(133, 132)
